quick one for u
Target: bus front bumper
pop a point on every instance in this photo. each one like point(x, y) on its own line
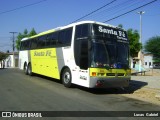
point(109, 82)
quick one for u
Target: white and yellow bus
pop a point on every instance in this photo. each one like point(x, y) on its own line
point(86, 53)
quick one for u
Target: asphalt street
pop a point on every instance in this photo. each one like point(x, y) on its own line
point(19, 92)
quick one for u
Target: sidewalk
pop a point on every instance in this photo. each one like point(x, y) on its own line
point(151, 81)
point(147, 87)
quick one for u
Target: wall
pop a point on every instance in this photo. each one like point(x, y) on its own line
point(148, 60)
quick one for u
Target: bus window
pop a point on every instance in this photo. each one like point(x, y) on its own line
point(83, 54)
point(61, 37)
point(22, 45)
point(41, 41)
point(53, 39)
point(25, 45)
point(81, 31)
point(65, 37)
point(34, 43)
point(68, 36)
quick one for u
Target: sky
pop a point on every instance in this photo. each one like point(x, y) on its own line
point(43, 15)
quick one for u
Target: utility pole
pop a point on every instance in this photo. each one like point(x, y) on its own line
point(140, 40)
point(13, 48)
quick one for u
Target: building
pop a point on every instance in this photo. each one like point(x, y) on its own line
point(9, 61)
point(2, 61)
point(148, 60)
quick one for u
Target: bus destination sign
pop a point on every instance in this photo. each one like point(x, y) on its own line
point(121, 35)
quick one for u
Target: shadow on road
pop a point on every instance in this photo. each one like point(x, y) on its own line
point(2, 68)
point(134, 86)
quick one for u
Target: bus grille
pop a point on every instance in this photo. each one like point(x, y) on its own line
point(120, 74)
point(110, 74)
point(114, 74)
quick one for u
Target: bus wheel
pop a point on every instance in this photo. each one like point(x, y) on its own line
point(29, 69)
point(67, 78)
point(25, 69)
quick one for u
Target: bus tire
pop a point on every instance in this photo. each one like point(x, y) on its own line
point(67, 78)
point(29, 69)
point(25, 69)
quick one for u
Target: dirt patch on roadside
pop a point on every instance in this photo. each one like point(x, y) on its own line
point(145, 94)
point(140, 90)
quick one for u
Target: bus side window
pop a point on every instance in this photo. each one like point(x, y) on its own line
point(54, 39)
point(82, 31)
point(78, 31)
point(25, 45)
point(41, 41)
point(61, 37)
point(65, 37)
point(21, 45)
point(34, 43)
point(48, 40)
point(68, 36)
point(81, 46)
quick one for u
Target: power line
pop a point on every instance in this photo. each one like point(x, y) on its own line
point(126, 7)
point(130, 11)
point(22, 7)
point(94, 11)
point(116, 7)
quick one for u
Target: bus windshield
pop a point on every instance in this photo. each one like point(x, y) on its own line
point(110, 55)
point(119, 55)
point(110, 47)
point(100, 56)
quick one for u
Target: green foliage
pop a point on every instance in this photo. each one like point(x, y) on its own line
point(3, 56)
point(120, 26)
point(25, 32)
point(33, 32)
point(153, 46)
point(134, 44)
point(24, 35)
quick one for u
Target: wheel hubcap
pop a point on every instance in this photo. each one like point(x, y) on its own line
point(66, 77)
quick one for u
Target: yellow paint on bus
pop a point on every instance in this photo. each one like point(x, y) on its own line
point(44, 62)
point(102, 72)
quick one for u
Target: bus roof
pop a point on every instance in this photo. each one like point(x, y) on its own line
point(70, 25)
point(24, 39)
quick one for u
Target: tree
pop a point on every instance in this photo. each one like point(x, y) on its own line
point(25, 32)
point(152, 46)
point(33, 32)
point(3, 56)
point(134, 44)
point(24, 35)
point(120, 26)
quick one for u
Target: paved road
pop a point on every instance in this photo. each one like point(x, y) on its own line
point(19, 92)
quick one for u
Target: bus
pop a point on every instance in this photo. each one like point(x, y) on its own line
point(86, 53)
